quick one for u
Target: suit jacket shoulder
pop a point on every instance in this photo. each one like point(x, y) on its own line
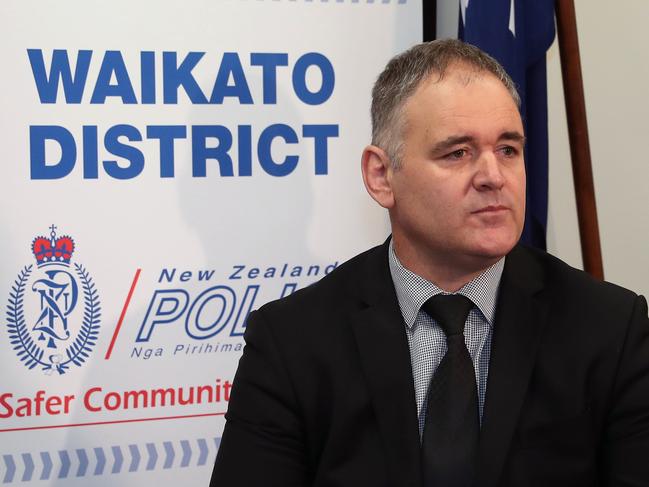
point(353, 285)
point(572, 293)
point(562, 275)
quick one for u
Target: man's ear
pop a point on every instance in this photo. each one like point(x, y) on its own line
point(377, 175)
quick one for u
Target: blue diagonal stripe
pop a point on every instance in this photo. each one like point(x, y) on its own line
point(217, 442)
point(83, 462)
point(101, 461)
point(119, 459)
point(65, 464)
point(47, 465)
point(202, 447)
point(29, 467)
point(135, 458)
point(187, 453)
point(153, 456)
point(170, 454)
point(11, 469)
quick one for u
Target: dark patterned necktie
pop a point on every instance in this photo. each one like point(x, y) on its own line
point(452, 426)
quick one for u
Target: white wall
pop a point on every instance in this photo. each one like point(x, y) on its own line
point(615, 65)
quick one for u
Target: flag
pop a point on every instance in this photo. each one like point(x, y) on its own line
point(518, 34)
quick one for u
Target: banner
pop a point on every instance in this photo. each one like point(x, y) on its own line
point(167, 168)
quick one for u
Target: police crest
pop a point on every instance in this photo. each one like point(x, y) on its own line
point(53, 313)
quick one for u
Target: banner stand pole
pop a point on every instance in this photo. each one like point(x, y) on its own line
point(582, 171)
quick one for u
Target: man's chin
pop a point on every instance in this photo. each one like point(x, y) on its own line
point(493, 250)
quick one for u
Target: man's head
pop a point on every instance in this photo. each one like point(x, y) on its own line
point(447, 157)
point(406, 71)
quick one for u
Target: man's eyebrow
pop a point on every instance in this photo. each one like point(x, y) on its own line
point(452, 141)
point(514, 137)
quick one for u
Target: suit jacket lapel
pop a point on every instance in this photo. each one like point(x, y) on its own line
point(385, 358)
point(520, 316)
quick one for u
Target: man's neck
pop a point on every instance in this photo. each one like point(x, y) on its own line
point(447, 273)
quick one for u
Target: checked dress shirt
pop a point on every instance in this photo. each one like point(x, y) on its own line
point(427, 341)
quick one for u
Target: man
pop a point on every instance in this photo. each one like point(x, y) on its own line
point(359, 380)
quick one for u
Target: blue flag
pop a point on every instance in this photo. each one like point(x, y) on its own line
point(518, 33)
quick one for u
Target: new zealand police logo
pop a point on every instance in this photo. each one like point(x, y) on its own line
point(53, 311)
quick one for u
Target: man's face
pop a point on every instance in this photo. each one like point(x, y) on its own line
point(459, 194)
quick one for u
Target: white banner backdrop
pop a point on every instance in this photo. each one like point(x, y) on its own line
point(167, 167)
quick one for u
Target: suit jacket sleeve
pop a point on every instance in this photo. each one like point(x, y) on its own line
point(263, 440)
point(626, 435)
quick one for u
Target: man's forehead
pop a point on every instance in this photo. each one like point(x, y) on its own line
point(458, 72)
point(438, 110)
point(443, 91)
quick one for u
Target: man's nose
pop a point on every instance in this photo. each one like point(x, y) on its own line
point(488, 174)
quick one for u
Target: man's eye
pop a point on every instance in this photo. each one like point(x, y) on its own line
point(509, 151)
point(457, 154)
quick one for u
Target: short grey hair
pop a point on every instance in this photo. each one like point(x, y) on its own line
point(407, 70)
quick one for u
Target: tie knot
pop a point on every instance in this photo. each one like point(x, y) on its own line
point(450, 311)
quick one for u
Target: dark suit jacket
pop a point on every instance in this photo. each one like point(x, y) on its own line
point(324, 394)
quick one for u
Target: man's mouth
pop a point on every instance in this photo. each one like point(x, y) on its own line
point(491, 209)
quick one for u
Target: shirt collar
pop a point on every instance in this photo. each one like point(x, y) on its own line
point(413, 290)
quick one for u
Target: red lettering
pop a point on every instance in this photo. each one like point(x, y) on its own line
point(5, 404)
point(54, 401)
point(86, 399)
point(115, 399)
point(38, 399)
point(227, 386)
point(24, 407)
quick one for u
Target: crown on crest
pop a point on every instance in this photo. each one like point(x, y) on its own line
point(53, 250)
